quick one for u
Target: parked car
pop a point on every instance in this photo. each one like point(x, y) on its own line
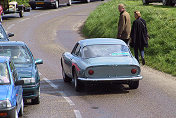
point(10, 7)
point(11, 92)
point(165, 2)
point(48, 3)
point(3, 34)
point(100, 60)
point(26, 66)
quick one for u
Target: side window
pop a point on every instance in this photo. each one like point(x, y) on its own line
point(74, 49)
point(14, 74)
point(77, 51)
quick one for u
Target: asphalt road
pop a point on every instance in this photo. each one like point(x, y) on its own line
point(50, 32)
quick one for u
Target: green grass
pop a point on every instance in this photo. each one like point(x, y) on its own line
point(24, 2)
point(161, 24)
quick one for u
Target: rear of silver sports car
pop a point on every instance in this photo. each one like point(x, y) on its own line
point(112, 73)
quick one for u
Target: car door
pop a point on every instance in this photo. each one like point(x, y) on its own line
point(67, 60)
point(18, 89)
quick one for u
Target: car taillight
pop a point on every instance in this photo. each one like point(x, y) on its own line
point(91, 72)
point(133, 71)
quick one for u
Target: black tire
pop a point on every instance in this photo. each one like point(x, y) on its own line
point(65, 77)
point(21, 13)
point(134, 84)
point(145, 2)
point(172, 4)
point(77, 83)
point(86, 1)
point(37, 99)
point(69, 3)
point(21, 109)
point(33, 7)
point(166, 2)
point(56, 6)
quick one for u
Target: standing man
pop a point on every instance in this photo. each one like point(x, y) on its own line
point(124, 25)
point(139, 36)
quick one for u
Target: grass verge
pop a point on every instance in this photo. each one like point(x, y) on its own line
point(161, 24)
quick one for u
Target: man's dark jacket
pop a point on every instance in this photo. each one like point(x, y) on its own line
point(139, 34)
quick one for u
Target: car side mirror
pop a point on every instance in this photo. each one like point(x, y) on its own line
point(10, 34)
point(19, 82)
point(38, 61)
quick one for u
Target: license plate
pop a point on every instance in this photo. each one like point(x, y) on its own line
point(40, 3)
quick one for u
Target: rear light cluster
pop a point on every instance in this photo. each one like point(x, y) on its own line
point(133, 71)
point(91, 72)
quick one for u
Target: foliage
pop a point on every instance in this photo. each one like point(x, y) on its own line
point(161, 24)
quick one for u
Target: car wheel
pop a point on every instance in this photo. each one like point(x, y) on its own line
point(33, 7)
point(56, 5)
point(37, 99)
point(165, 2)
point(145, 2)
point(87, 1)
point(22, 108)
point(65, 77)
point(134, 84)
point(172, 4)
point(21, 13)
point(78, 85)
point(69, 3)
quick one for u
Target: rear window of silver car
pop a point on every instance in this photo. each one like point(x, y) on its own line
point(105, 50)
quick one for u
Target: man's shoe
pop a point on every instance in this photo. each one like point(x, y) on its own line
point(143, 61)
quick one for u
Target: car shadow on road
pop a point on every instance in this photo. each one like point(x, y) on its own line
point(88, 89)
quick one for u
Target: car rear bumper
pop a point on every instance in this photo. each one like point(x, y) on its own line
point(7, 112)
point(112, 79)
point(41, 4)
point(30, 91)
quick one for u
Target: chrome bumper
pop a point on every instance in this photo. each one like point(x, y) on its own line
point(112, 79)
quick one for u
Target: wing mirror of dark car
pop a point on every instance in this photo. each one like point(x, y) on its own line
point(19, 82)
point(38, 61)
point(10, 34)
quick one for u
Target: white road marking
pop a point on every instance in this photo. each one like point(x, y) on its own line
point(67, 98)
point(50, 83)
point(77, 113)
point(23, 20)
point(60, 92)
point(12, 25)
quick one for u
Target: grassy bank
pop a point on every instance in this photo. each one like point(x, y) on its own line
point(161, 23)
point(24, 2)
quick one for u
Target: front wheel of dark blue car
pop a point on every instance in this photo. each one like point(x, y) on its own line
point(37, 99)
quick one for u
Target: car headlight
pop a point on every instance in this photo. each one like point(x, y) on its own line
point(5, 104)
point(28, 80)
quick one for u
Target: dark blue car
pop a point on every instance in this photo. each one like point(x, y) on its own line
point(26, 67)
point(11, 92)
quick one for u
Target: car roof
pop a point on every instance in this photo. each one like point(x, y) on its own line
point(12, 43)
point(95, 41)
point(4, 59)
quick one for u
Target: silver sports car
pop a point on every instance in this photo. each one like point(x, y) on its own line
point(100, 60)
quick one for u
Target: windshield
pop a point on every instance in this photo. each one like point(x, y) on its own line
point(2, 33)
point(4, 76)
point(110, 50)
point(19, 54)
